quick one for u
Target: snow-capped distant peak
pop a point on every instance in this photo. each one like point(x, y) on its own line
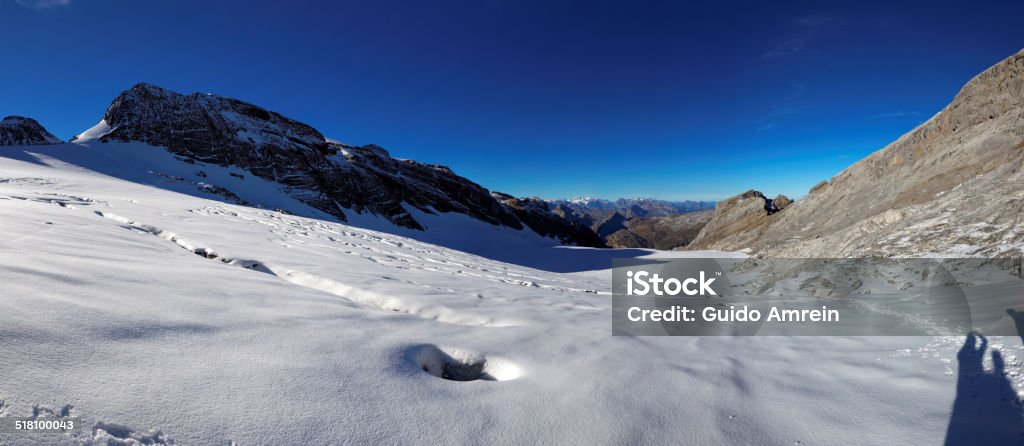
point(581, 200)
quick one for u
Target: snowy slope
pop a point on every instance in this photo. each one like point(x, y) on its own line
point(144, 164)
point(148, 306)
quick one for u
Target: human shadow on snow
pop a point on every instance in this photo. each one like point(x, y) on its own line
point(987, 409)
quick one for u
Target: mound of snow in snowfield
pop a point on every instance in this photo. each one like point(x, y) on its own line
point(154, 313)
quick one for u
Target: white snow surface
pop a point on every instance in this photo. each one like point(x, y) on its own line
point(93, 133)
point(156, 313)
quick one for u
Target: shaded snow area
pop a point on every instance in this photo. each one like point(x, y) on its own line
point(160, 315)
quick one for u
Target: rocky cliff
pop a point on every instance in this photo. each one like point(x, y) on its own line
point(336, 178)
point(739, 221)
point(951, 186)
point(21, 131)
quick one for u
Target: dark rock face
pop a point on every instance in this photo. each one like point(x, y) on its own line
point(21, 131)
point(534, 212)
point(228, 132)
point(611, 224)
point(370, 179)
point(781, 201)
point(329, 176)
point(573, 215)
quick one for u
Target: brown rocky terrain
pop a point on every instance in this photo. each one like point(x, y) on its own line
point(950, 187)
point(739, 221)
point(665, 233)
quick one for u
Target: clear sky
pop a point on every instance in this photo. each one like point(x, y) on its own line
point(550, 98)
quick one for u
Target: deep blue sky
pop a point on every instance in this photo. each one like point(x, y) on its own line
point(526, 97)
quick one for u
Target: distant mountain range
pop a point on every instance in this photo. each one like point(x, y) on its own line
point(637, 222)
point(632, 207)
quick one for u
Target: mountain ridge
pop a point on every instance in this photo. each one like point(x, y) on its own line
point(949, 187)
point(335, 178)
point(655, 206)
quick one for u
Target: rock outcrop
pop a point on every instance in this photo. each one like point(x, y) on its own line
point(738, 220)
point(780, 202)
point(21, 131)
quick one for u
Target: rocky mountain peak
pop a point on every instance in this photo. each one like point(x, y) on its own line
point(151, 114)
point(742, 216)
point(22, 131)
point(148, 89)
point(330, 176)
